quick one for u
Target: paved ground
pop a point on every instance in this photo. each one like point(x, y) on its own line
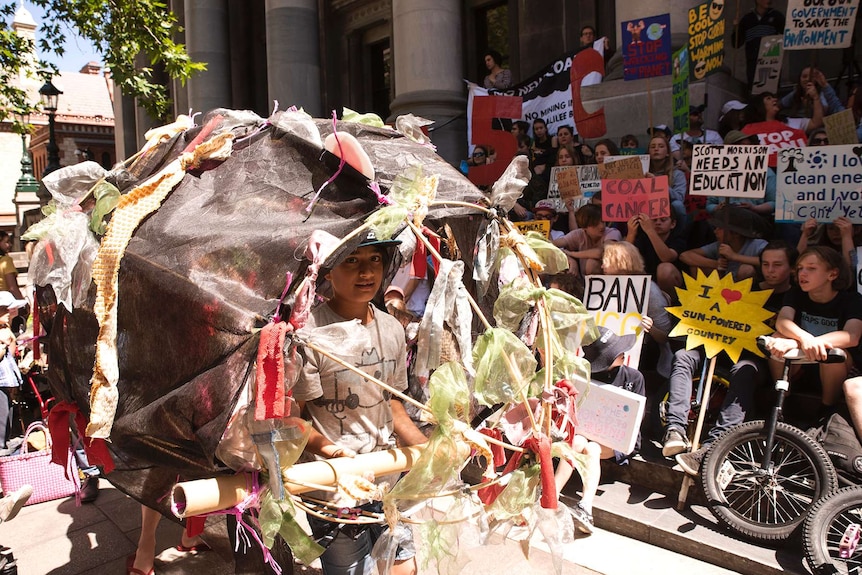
point(58, 538)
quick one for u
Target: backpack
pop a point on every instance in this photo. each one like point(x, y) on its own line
point(838, 438)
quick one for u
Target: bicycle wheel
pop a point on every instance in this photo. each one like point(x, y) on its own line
point(825, 526)
point(765, 505)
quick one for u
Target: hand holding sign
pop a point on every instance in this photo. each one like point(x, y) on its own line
point(721, 314)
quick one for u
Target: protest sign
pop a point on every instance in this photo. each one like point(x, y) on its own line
point(609, 415)
point(821, 182)
point(679, 81)
point(565, 181)
point(618, 303)
point(622, 199)
point(777, 135)
point(841, 128)
point(644, 161)
point(541, 226)
point(768, 69)
point(706, 38)
point(814, 24)
point(588, 176)
point(721, 314)
point(731, 171)
point(625, 168)
point(646, 47)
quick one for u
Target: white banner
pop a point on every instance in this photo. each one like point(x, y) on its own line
point(729, 171)
point(821, 182)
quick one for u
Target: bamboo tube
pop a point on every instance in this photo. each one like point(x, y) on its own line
point(298, 477)
point(190, 498)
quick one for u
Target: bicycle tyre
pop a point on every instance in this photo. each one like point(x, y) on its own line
point(765, 507)
point(824, 527)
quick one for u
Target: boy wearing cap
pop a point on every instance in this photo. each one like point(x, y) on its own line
point(349, 414)
point(546, 210)
point(10, 376)
point(696, 133)
point(737, 249)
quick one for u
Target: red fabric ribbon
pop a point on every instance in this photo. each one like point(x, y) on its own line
point(270, 398)
point(488, 495)
point(58, 426)
point(541, 446)
point(419, 265)
point(497, 451)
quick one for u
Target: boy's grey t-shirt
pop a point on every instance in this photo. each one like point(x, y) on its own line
point(352, 411)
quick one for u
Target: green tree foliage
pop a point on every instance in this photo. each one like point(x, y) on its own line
point(134, 37)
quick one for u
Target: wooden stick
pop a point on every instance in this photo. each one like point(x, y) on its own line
point(701, 415)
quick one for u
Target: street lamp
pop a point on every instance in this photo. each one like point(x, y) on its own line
point(27, 185)
point(50, 95)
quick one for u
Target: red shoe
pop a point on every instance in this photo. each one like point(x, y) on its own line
point(130, 569)
point(194, 549)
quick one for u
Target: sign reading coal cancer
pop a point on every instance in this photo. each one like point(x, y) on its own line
point(720, 314)
point(622, 199)
point(706, 38)
point(731, 171)
point(819, 24)
point(646, 47)
point(618, 303)
point(821, 182)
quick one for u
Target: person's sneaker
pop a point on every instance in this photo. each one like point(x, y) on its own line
point(90, 489)
point(11, 504)
point(690, 461)
point(583, 519)
point(674, 442)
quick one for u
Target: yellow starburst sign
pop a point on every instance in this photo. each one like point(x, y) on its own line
point(720, 314)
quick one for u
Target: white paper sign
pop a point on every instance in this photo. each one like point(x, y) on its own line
point(729, 171)
point(819, 24)
point(821, 182)
point(610, 416)
point(618, 303)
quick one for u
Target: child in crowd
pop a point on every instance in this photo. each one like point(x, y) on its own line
point(842, 235)
point(584, 245)
point(10, 375)
point(776, 265)
point(660, 244)
point(738, 248)
point(817, 315)
point(349, 414)
point(606, 355)
point(546, 210)
point(661, 164)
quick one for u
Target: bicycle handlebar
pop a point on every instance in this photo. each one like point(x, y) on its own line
point(834, 355)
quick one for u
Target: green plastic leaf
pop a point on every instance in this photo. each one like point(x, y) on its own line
point(504, 367)
point(553, 257)
point(279, 518)
point(107, 197)
point(449, 394)
point(369, 119)
point(518, 495)
point(387, 220)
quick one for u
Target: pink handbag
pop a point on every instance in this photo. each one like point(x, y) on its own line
point(49, 480)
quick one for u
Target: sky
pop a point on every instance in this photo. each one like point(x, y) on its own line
point(78, 51)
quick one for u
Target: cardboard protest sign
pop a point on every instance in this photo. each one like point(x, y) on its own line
point(777, 135)
point(588, 176)
point(622, 199)
point(732, 171)
point(679, 82)
point(721, 314)
point(706, 38)
point(541, 226)
point(565, 179)
point(841, 128)
point(644, 160)
point(768, 70)
point(821, 182)
point(609, 415)
point(646, 47)
point(625, 168)
point(618, 303)
point(818, 24)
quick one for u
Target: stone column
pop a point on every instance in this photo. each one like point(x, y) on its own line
point(206, 23)
point(293, 54)
point(428, 72)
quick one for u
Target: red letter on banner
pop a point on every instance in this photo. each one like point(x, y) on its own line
point(589, 125)
point(485, 109)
